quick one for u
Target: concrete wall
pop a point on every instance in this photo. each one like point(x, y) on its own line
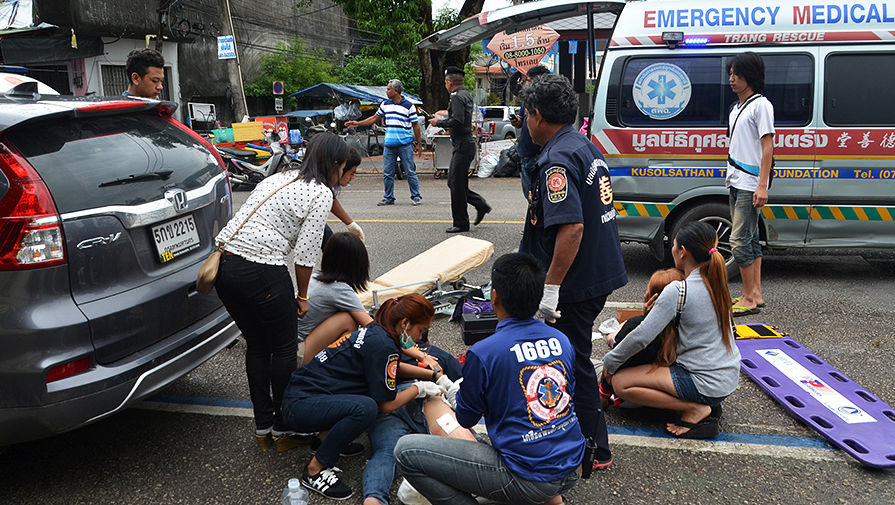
point(197, 74)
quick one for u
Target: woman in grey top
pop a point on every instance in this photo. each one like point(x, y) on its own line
point(707, 366)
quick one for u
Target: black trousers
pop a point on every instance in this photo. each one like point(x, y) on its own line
point(261, 300)
point(458, 182)
point(577, 323)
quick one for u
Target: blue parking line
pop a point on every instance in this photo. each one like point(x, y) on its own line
point(740, 438)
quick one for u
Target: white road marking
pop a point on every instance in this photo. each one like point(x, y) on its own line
point(707, 446)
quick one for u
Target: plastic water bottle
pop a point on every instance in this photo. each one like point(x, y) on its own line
point(294, 494)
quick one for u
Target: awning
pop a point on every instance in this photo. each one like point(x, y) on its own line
point(49, 49)
point(367, 93)
point(309, 113)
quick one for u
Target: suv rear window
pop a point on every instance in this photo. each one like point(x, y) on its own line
point(80, 159)
point(789, 83)
point(493, 113)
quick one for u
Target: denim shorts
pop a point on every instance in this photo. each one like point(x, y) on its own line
point(686, 389)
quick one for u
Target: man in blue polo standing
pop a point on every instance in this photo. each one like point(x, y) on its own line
point(402, 128)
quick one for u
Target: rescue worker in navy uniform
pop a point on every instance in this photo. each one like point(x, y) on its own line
point(571, 229)
point(458, 118)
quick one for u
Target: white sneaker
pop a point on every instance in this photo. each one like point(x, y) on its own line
point(408, 495)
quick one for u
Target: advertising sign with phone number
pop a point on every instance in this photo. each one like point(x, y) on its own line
point(524, 49)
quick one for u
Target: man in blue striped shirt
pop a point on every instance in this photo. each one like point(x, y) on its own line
point(401, 129)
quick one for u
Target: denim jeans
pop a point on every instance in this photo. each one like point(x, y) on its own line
point(577, 323)
point(345, 416)
point(390, 156)
point(261, 300)
point(744, 234)
point(449, 471)
point(379, 473)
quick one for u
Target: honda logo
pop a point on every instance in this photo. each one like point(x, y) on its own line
point(178, 199)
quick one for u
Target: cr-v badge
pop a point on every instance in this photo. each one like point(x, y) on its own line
point(178, 198)
point(90, 242)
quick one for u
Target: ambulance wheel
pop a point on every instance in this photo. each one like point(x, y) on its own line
point(718, 216)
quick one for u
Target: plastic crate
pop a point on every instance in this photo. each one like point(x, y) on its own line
point(223, 135)
point(243, 132)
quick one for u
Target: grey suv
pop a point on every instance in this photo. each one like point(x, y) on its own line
point(496, 121)
point(107, 209)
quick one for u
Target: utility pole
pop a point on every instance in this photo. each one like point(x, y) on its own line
point(238, 82)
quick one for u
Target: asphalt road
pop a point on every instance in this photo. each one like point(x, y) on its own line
point(194, 444)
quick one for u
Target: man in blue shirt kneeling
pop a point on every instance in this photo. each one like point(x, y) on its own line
point(521, 379)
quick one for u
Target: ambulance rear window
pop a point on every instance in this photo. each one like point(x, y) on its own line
point(690, 90)
point(859, 89)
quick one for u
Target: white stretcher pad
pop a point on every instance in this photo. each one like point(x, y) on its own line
point(446, 261)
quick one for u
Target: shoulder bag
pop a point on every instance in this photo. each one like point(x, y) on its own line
point(208, 272)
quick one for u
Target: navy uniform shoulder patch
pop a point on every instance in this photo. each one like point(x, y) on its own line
point(556, 184)
point(391, 371)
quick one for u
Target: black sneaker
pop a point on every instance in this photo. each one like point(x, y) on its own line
point(384, 202)
point(327, 483)
point(352, 449)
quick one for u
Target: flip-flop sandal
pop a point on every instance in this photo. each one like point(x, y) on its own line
point(734, 300)
point(744, 311)
point(716, 411)
point(707, 428)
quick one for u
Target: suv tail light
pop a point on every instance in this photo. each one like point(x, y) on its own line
point(30, 227)
point(492, 127)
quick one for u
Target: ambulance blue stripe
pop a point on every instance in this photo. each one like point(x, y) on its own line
point(781, 173)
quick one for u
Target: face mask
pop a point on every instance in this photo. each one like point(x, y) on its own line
point(406, 341)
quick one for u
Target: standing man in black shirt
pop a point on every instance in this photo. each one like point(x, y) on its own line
point(458, 118)
point(571, 229)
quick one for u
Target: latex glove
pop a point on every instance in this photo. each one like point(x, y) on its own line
point(356, 230)
point(428, 388)
point(547, 310)
point(445, 382)
point(451, 396)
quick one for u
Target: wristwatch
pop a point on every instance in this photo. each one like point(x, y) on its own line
point(435, 373)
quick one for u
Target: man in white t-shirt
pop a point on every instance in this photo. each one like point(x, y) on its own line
point(749, 164)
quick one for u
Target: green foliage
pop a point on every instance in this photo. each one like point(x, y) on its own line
point(445, 18)
point(296, 67)
point(378, 71)
point(399, 23)
point(493, 99)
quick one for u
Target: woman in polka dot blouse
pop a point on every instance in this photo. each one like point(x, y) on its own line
point(254, 281)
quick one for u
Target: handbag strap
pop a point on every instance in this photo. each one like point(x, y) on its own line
point(222, 245)
point(681, 297)
point(748, 101)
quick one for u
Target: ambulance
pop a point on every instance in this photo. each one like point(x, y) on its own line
point(662, 99)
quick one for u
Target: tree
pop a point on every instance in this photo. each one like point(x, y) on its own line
point(378, 71)
point(400, 24)
point(297, 67)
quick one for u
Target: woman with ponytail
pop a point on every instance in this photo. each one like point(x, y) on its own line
point(707, 366)
point(348, 384)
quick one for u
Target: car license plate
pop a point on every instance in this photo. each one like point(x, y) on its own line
point(175, 238)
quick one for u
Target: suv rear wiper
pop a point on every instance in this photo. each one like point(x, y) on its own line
point(148, 176)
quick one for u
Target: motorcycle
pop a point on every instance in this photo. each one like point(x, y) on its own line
point(243, 173)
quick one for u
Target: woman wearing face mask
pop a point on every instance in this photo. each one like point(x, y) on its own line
point(346, 386)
